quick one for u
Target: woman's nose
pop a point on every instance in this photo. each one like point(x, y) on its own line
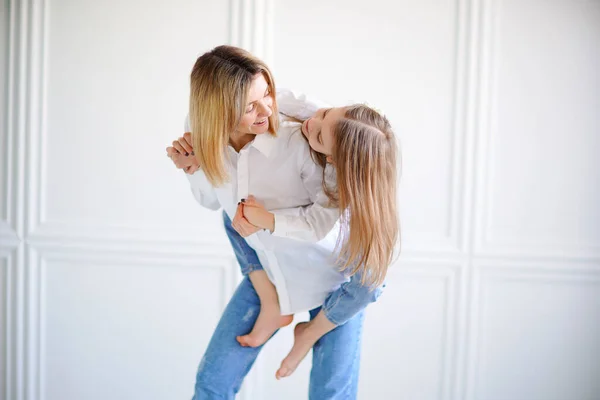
point(265, 108)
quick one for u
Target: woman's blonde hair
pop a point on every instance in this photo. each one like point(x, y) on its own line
point(364, 155)
point(220, 83)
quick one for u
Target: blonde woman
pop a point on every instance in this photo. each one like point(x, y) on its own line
point(279, 171)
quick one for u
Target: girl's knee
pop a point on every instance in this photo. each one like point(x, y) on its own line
point(377, 292)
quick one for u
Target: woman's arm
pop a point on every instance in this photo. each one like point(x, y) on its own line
point(203, 191)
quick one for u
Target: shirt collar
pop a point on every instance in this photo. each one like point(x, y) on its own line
point(264, 143)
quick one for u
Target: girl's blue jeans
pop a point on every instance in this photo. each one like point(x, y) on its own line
point(336, 356)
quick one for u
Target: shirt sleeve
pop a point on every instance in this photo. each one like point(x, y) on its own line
point(297, 105)
point(203, 191)
point(187, 127)
point(313, 222)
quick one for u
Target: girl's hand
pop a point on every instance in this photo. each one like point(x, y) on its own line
point(257, 215)
point(241, 224)
point(182, 154)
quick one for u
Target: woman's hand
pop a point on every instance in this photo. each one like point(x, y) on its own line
point(241, 224)
point(182, 154)
point(257, 215)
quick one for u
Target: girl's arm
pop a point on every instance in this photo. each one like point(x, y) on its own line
point(315, 221)
point(309, 223)
point(297, 105)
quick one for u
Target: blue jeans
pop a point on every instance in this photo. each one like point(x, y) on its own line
point(336, 356)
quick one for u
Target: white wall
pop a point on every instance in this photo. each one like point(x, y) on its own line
point(112, 278)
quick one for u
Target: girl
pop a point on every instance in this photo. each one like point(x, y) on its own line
point(301, 212)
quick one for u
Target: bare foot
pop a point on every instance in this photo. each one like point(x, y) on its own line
point(303, 342)
point(268, 321)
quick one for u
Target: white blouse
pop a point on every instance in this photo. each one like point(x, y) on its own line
point(278, 170)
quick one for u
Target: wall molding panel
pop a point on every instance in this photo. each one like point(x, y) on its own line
point(40, 231)
point(125, 239)
point(7, 323)
point(451, 274)
point(226, 266)
point(453, 242)
point(493, 272)
point(25, 52)
point(28, 240)
point(515, 244)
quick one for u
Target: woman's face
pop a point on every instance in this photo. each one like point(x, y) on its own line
point(319, 129)
point(255, 119)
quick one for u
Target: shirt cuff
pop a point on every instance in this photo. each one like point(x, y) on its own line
point(197, 179)
point(281, 225)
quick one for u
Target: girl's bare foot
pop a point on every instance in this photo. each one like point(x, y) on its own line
point(268, 321)
point(303, 342)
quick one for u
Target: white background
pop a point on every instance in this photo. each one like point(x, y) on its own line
point(112, 278)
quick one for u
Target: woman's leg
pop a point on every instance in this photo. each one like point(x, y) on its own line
point(225, 363)
point(336, 361)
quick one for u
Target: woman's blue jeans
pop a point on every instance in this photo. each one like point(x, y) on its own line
point(336, 356)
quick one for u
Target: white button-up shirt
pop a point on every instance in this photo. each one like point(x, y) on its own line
point(278, 170)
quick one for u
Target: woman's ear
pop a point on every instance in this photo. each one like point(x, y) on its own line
point(329, 160)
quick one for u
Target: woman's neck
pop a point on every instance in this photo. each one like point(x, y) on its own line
point(239, 140)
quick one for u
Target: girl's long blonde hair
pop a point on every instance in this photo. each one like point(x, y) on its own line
point(364, 155)
point(220, 82)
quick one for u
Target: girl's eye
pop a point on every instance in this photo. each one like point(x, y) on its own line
point(252, 107)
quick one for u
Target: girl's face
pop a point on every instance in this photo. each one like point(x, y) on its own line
point(319, 129)
point(255, 119)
